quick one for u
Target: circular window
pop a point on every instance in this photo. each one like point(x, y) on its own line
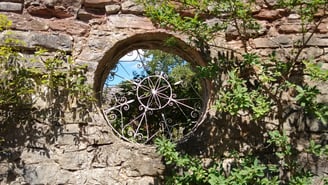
point(149, 90)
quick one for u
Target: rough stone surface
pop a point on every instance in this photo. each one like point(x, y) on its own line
point(323, 27)
point(11, 7)
point(39, 39)
point(268, 14)
point(99, 3)
point(130, 21)
point(112, 9)
point(85, 16)
point(27, 23)
point(289, 28)
point(92, 30)
point(46, 12)
point(71, 28)
point(131, 7)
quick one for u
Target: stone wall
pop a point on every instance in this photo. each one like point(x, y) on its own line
point(98, 33)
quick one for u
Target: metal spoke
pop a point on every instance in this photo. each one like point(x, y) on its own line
point(148, 106)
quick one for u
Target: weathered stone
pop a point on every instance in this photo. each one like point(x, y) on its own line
point(99, 3)
point(11, 7)
point(131, 7)
point(294, 16)
point(27, 22)
point(313, 52)
point(314, 163)
point(43, 11)
point(112, 9)
point(45, 174)
point(266, 14)
point(89, 54)
point(49, 41)
point(137, 169)
point(70, 27)
point(271, 3)
point(323, 26)
point(15, 1)
point(104, 176)
point(85, 16)
point(232, 32)
point(33, 157)
point(318, 40)
point(130, 21)
point(73, 160)
point(290, 28)
point(69, 4)
point(272, 42)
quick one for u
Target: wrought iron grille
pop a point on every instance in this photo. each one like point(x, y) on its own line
point(146, 98)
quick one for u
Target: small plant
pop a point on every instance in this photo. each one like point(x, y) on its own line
point(190, 170)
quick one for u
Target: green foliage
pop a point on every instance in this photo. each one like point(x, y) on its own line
point(236, 97)
point(4, 22)
point(245, 170)
point(40, 89)
point(170, 64)
point(190, 170)
point(258, 87)
point(282, 142)
point(272, 76)
point(317, 149)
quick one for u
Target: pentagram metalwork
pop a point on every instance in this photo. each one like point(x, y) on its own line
point(151, 105)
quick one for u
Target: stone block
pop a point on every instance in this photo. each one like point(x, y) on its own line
point(27, 22)
point(73, 160)
point(317, 40)
point(99, 3)
point(265, 43)
point(49, 12)
point(11, 7)
point(50, 41)
point(104, 176)
point(130, 21)
point(290, 28)
point(323, 26)
point(70, 27)
point(41, 173)
point(16, 1)
point(320, 40)
point(85, 16)
point(131, 7)
point(112, 9)
point(34, 157)
point(267, 14)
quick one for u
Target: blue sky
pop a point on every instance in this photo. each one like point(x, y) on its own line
point(126, 66)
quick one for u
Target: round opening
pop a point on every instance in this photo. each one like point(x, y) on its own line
point(151, 93)
point(147, 87)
